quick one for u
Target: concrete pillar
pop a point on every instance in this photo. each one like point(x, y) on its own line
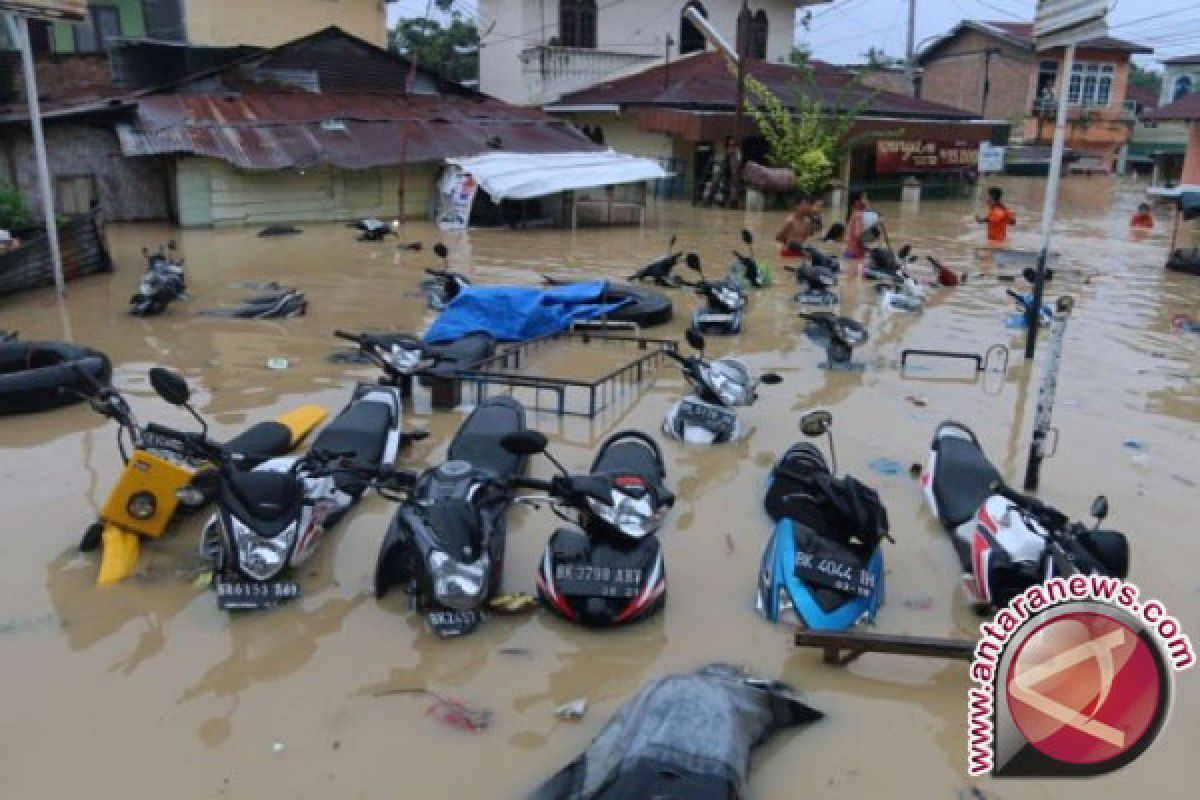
point(1191, 161)
point(837, 198)
point(910, 194)
point(755, 200)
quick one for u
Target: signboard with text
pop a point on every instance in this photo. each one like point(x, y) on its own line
point(1063, 22)
point(893, 156)
point(47, 9)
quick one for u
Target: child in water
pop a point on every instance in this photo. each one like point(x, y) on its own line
point(856, 225)
point(998, 217)
point(797, 228)
point(1143, 218)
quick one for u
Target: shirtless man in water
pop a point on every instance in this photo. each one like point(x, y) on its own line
point(797, 227)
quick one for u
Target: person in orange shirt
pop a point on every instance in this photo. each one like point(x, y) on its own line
point(1143, 218)
point(998, 217)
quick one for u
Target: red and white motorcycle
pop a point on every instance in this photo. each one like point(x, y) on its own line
point(1007, 541)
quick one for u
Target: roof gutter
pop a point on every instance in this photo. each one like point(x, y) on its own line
point(611, 108)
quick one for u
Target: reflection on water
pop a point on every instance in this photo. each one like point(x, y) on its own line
point(156, 655)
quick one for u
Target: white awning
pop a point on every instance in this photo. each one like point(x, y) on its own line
point(519, 175)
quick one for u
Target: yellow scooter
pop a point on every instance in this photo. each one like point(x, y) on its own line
point(143, 501)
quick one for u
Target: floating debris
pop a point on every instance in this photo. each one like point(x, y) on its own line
point(517, 603)
point(1135, 444)
point(448, 710)
point(729, 546)
point(277, 363)
point(886, 466)
point(920, 401)
point(573, 709)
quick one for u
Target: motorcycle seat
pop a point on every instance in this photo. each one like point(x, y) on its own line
point(962, 479)
point(478, 441)
point(266, 496)
point(261, 441)
point(361, 429)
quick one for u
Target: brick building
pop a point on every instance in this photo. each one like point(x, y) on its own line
point(992, 68)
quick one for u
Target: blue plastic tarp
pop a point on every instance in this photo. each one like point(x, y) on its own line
point(519, 313)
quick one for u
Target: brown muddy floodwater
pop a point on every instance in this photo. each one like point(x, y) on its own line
point(146, 690)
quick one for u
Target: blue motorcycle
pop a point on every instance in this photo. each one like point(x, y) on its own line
point(823, 568)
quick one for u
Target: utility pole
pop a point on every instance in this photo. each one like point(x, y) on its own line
point(987, 78)
point(18, 32)
point(741, 38)
point(667, 62)
point(1034, 313)
point(910, 52)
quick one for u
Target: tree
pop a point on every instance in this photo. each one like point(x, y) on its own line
point(878, 59)
point(802, 133)
point(800, 56)
point(1147, 78)
point(451, 51)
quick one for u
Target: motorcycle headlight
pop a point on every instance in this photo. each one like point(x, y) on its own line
point(142, 505)
point(730, 299)
point(260, 557)
point(729, 385)
point(191, 496)
point(634, 517)
point(457, 585)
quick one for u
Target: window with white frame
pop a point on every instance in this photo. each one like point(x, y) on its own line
point(1091, 84)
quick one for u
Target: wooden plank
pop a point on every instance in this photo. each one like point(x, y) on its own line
point(842, 648)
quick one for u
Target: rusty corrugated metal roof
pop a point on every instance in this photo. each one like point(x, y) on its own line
point(704, 81)
point(281, 130)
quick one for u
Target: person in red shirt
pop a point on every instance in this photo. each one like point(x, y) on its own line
point(1143, 218)
point(998, 217)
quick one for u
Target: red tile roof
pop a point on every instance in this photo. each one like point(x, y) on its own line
point(1185, 109)
point(705, 82)
point(1144, 96)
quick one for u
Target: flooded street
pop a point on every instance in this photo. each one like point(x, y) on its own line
point(146, 688)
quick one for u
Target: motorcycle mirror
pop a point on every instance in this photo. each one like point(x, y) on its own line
point(747, 236)
point(170, 386)
point(440, 250)
point(904, 251)
point(1100, 508)
point(671, 244)
point(145, 252)
point(171, 245)
point(693, 261)
point(816, 423)
point(771, 378)
point(525, 443)
point(695, 339)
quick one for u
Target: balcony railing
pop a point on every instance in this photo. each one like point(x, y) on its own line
point(551, 72)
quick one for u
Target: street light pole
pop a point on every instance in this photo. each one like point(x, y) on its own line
point(910, 67)
point(740, 41)
point(18, 31)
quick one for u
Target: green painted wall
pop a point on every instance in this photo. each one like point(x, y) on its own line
point(210, 192)
point(132, 23)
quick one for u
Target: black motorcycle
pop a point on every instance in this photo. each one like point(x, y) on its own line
point(724, 302)
point(660, 269)
point(402, 356)
point(163, 283)
point(442, 285)
point(445, 545)
point(609, 570)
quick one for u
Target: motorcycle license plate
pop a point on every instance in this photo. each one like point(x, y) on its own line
point(834, 573)
point(252, 596)
point(448, 624)
point(720, 421)
point(584, 580)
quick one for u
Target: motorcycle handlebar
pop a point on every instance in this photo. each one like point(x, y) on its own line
point(350, 337)
point(533, 483)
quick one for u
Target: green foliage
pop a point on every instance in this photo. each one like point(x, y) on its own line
point(800, 56)
point(878, 59)
point(451, 51)
point(801, 133)
point(14, 213)
point(1145, 77)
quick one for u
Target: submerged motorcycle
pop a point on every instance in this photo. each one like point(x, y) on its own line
point(403, 357)
point(158, 462)
point(163, 282)
point(898, 289)
point(274, 517)
point(609, 570)
point(707, 415)
point(445, 545)
point(817, 279)
point(724, 302)
point(442, 285)
point(823, 567)
point(1006, 541)
point(660, 270)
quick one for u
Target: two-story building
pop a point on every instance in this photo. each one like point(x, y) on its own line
point(220, 23)
point(535, 51)
point(993, 68)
